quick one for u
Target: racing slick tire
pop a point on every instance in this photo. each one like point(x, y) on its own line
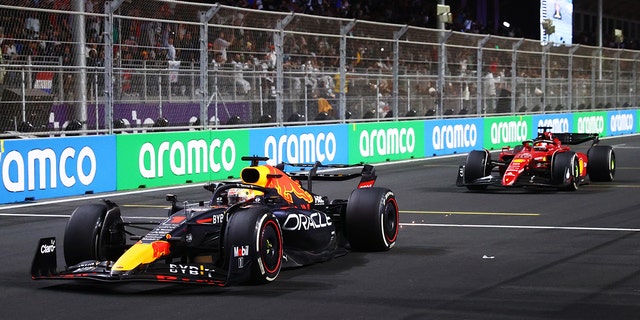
point(253, 244)
point(372, 219)
point(94, 232)
point(565, 170)
point(476, 166)
point(601, 163)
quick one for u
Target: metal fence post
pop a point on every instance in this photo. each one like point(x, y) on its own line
point(543, 74)
point(596, 60)
point(570, 77)
point(634, 99)
point(344, 30)
point(479, 88)
point(616, 78)
point(514, 73)
point(109, 8)
point(205, 17)
point(80, 86)
point(442, 63)
point(396, 65)
point(278, 39)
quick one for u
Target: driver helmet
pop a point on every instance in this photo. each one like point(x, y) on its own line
point(237, 195)
point(540, 145)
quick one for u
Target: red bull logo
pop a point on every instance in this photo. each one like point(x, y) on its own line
point(160, 248)
point(288, 188)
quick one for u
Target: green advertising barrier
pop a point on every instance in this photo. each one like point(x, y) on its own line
point(162, 159)
point(507, 131)
point(591, 122)
point(386, 141)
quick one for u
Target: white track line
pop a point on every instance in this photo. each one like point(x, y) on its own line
point(517, 227)
point(484, 226)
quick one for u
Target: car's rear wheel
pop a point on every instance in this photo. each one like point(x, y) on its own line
point(476, 166)
point(372, 219)
point(94, 232)
point(253, 245)
point(565, 170)
point(602, 163)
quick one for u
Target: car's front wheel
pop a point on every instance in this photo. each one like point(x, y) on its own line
point(253, 245)
point(565, 170)
point(94, 232)
point(476, 166)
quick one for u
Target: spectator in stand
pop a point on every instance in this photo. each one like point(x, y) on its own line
point(220, 45)
point(171, 50)
point(33, 47)
point(32, 23)
point(489, 90)
point(93, 74)
point(9, 48)
point(242, 85)
point(188, 54)
point(188, 48)
point(12, 75)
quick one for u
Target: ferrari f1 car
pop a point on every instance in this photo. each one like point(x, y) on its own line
point(245, 233)
point(546, 161)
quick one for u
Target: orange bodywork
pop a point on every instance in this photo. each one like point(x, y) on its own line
point(270, 177)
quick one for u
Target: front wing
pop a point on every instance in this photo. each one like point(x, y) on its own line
point(45, 267)
point(496, 181)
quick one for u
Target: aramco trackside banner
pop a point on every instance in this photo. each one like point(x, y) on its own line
point(34, 169)
point(162, 159)
point(385, 141)
point(39, 168)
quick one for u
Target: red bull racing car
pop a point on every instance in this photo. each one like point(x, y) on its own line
point(245, 233)
point(546, 161)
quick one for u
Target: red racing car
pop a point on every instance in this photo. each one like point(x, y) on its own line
point(546, 161)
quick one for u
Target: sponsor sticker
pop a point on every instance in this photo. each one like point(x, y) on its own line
point(241, 251)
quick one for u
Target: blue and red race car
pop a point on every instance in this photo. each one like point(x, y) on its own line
point(245, 233)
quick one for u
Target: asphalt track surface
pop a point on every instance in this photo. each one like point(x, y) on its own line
point(503, 254)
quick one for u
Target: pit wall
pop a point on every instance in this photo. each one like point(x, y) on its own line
point(36, 169)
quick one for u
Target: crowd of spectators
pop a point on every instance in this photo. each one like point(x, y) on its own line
point(49, 34)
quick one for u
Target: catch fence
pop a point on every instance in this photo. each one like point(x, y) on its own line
point(133, 66)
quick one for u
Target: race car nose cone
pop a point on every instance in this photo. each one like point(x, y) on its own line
point(508, 179)
point(140, 253)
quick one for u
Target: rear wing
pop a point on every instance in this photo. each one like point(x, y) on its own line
point(576, 138)
point(569, 138)
point(367, 175)
point(309, 172)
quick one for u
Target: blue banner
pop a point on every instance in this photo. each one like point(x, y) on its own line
point(453, 136)
point(621, 122)
point(56, 167)
point(301, 144)
point(559, 123)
